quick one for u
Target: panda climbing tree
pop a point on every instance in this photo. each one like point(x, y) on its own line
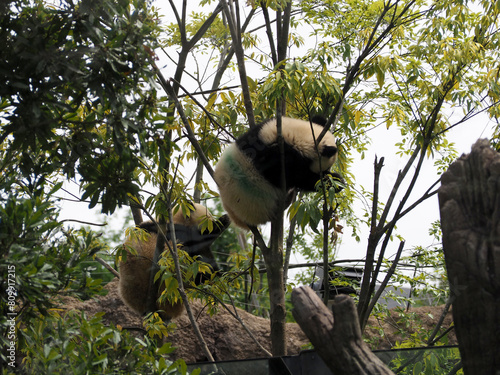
point(135, 268)
point(249, 171)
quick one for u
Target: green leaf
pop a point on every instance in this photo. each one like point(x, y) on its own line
point(211, 100)
point(380, 76)
point(165, 349)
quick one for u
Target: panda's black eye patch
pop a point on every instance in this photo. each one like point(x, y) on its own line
point(329, 151)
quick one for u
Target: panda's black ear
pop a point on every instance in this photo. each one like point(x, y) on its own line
point(222, 224)
point(318, 119)
point(328, 151)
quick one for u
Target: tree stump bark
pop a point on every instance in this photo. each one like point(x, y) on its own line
point(469, 201)
point(336, 337)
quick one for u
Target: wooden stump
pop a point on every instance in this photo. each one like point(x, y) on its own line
point(469, 201)
point(336, 337)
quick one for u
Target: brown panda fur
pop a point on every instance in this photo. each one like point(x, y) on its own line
point(135, 271)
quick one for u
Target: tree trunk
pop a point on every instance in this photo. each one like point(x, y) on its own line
point(336, 338)
point(469, 200)
point(135, 207)
point(273, 257)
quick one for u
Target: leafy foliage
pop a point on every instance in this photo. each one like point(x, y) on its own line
point(77, 344)
point(77, 92)
point(44, 259)
point(441, 361)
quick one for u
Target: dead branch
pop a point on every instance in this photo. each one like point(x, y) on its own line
point(336, 337)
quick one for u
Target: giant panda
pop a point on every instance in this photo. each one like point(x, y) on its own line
point(135, 270)
point(248, 173)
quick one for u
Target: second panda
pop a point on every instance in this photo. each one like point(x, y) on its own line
point(249, 171)
point(135, 271)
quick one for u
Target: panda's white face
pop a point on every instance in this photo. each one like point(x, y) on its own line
point(298, 134)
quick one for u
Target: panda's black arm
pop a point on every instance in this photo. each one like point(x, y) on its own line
point(306, 180)
point(319, 119)
point(196, 241)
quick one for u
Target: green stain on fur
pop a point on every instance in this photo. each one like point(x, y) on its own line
point(245, 182)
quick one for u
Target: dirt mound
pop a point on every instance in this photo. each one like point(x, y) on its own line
point(225, 336)
point(227, 339)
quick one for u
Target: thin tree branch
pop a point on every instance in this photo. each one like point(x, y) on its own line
point(388, 276)
point(456, 368)
point(229, 52)
point(209, 115)
point(240, 57)
point(182, 292)
point(151, 300)
point(269, 33)
point(135, 208)
point(180, 23)
point(326, 276)
point(107, 266)
point(170, 91)
point(378, 165)
point(289, 244)
point(84, 222)
point(428, 194)
point(431, 341)
point(364, 295)
point(283, 28)
point(399, 180)
point(258, 238)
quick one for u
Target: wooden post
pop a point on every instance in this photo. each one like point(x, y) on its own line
point(336, 337)
point(469, 201)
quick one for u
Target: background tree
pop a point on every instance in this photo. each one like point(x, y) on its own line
point(74, 99)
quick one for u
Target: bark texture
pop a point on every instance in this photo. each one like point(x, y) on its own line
point(469, 201)
point(336, 337)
